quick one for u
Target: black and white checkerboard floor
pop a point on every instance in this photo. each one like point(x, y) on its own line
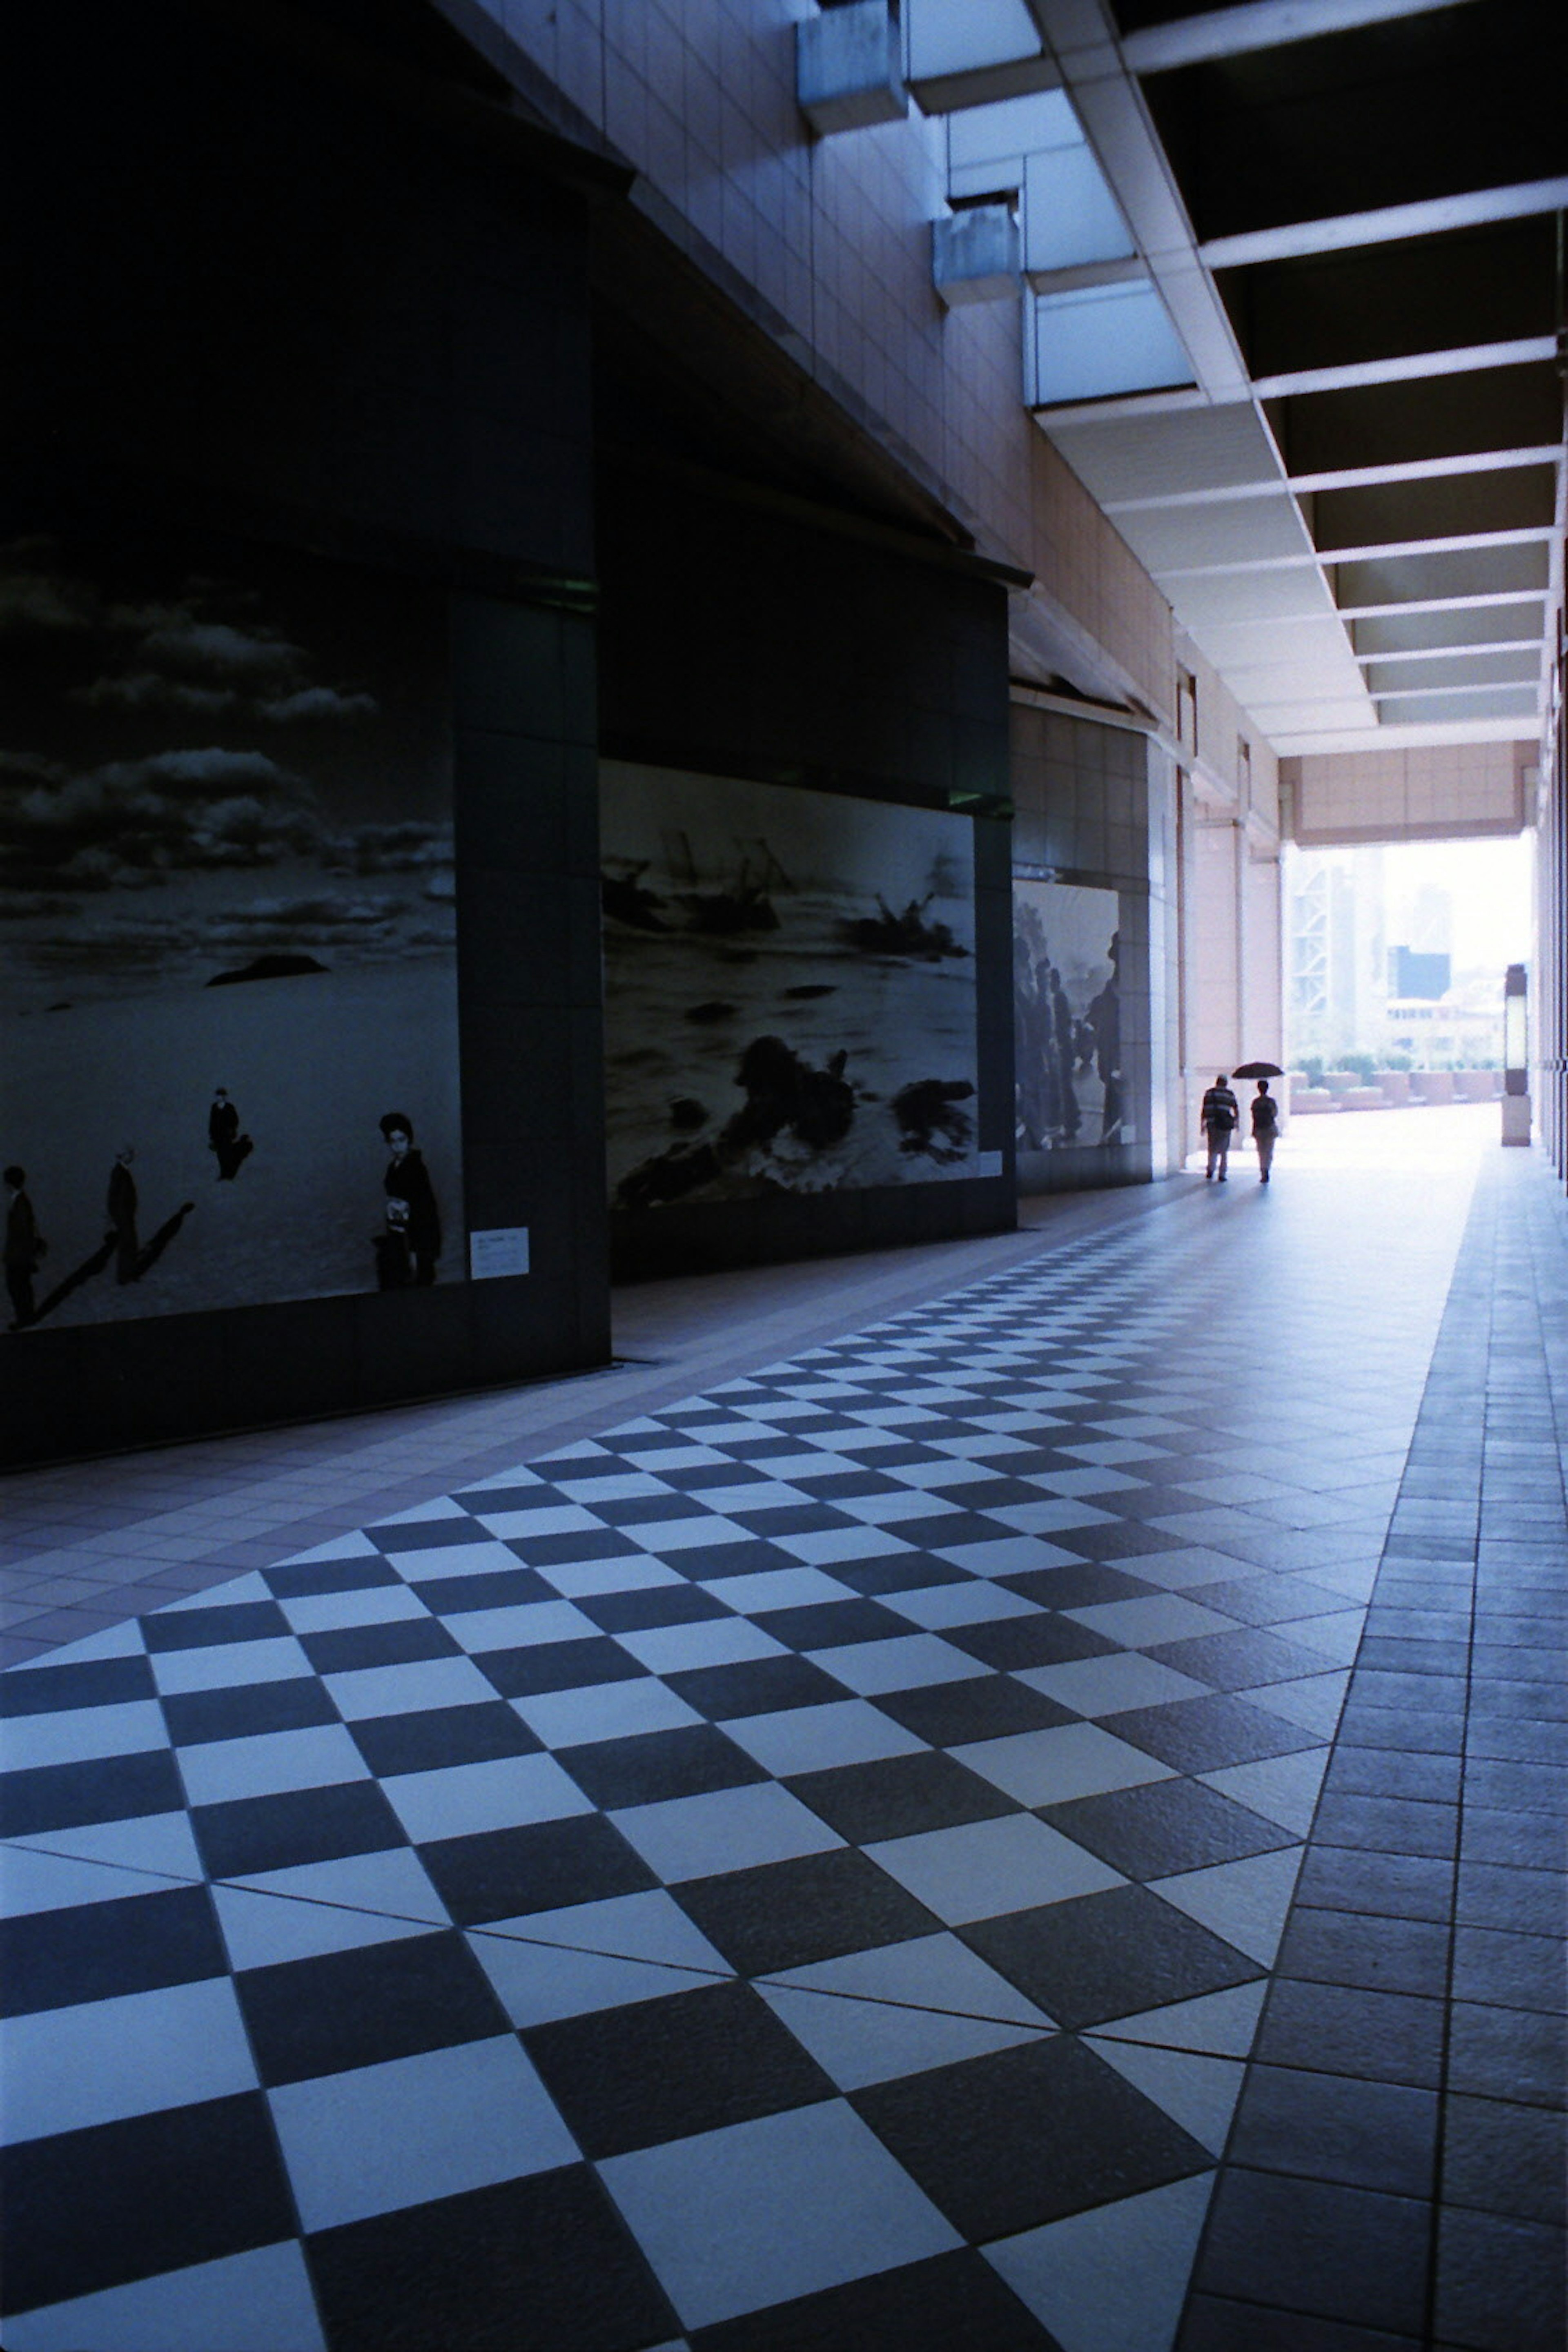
point(798, 1870)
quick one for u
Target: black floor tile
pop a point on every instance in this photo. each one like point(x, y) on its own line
point(651, 1766)
point(72, 1796)
point(96, 2208)
point(1384, 1955)
point(1387, 1885)
point(579, 1544)
point(1332, 2252)
point(1200, 1735)
point(1242, 1661)
point(439, 1736)
point(1500, 2283)
point(651, 2071)
point(643, 1510)
point(1014, 1642)
point(1381, 2037)
point(504, 1873)
point(955, 2303)
point(437, 1534)
point(540, 1667)
point(247, 1834)
point(546, 2260)
point(1112, 1540)
point(1022, 2136)
point(366, 2006)
point(1099, 1957)
point(899, 1796)
point(754, 1686)
point(293, 1579)
point(1509, 2054)
point(1385, 1772)
point(711, 1563)
point(829, 1624)
point(1528, 1901)
point(200, 1629)
point(95, 1683)
point(99, 1951)
point(346, 1649)
point(786, 1914)
point(1390, 1825)
point(502, 1588)
point(1505, 2159)
point(1329, 2127)
point(1516, 1841)
point(650, 1605)
point(1165, 1827)
point(1086, 1587)
point(902, 1571)
point(1214, 2323)
point(1510, 1971)
point(238, 1712)
point(985, 1707)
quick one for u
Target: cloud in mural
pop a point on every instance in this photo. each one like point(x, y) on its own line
point(172, 811)
point(408, 848)
point(318, 702)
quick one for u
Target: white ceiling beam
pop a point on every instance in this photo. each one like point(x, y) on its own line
point(1409, 367)
point(1429, 469)
point(1468, 603)
point(1454, 653)
point(1266, 24)
point(1386, 225)
point(1383, 551)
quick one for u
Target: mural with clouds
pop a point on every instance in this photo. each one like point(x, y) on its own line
point(228, 945)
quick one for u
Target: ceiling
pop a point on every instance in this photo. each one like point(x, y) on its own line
point(1293, 276)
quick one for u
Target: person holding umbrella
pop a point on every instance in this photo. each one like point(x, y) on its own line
point(1265, 1114)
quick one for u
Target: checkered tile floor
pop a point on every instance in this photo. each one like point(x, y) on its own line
point(798, 1870)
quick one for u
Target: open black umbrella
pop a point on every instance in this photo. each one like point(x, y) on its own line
point(1257, 1070)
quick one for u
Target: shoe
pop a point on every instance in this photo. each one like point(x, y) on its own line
point(1209, 1175)
point(1222, 1176)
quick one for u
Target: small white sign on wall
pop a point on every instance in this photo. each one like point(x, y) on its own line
point(501, 1250)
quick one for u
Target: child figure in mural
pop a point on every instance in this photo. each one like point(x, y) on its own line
point(408, 1247)
point(231, 1149)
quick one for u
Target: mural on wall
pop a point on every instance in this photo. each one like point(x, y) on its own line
point(789, 990)
point(228, 945)
point(1067, 1017)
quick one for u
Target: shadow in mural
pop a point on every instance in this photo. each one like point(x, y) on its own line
point(735, 1067)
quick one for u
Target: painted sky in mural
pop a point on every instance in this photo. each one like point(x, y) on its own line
point(225, 916)
point(1067, 1017)
point(790, 1000)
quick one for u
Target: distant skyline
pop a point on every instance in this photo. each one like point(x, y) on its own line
point(1489, 885)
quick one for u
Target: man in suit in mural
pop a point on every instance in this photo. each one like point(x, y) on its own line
point(407, 1249)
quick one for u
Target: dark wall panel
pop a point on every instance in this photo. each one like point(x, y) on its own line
point(273, 295)
point(740, 642)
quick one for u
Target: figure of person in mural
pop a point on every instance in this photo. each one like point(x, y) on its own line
point(408, 1247)
point(231, 1149)
point(24, 1250)
point(122, 1214)
point(1062, 1027)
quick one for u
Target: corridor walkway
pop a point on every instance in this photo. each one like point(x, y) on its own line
point(1008, 1797)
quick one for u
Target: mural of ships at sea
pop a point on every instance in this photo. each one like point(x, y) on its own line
point(790, 1000)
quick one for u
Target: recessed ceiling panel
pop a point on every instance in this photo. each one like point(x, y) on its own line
point(1103, 340)
point(1454, 669)
point(1200, 538)
point(1496, 702)
point(1484, 625)
point(1452, 574)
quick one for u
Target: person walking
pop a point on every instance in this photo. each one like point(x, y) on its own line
point(1221, 1115)
point(1264, 1128)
